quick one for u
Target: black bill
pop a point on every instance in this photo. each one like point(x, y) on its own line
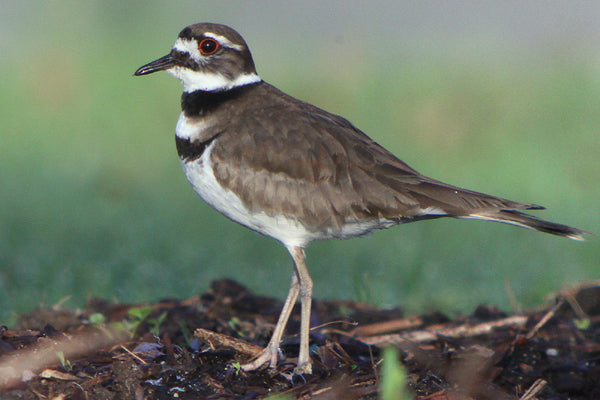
point(161, 64)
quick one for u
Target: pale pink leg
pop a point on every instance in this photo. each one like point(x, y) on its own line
point(270, 353)
point(306, 285)
point(301, 284)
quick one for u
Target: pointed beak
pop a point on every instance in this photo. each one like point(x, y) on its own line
point(161, 64)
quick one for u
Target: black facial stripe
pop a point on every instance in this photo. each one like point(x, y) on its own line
point(184, 60)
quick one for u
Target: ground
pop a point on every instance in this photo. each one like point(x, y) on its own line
point(192, 349)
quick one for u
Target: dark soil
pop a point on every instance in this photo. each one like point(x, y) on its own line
point(157, 351)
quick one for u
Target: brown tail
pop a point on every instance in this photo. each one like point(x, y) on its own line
point(527, 221)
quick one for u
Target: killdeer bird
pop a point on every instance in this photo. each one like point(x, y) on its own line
point(296, 173)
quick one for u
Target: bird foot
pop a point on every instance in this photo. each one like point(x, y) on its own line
point(304, 368)
point(268, 357)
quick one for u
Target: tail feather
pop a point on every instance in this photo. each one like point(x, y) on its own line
point(527, 221)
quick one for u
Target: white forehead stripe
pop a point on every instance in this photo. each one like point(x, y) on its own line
point(189, 46)
point(223, 41)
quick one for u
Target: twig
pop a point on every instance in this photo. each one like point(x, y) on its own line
point(544, 320)
point(454, 332)
point(219, 340)
point(570, 298)
point(387, 326)
point(131, 353)
point(44, 354)
point(537, 387)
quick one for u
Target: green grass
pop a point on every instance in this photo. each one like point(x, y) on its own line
point(393, 377)
point(94, 204)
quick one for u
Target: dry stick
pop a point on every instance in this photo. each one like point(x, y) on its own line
point(387, 326)
point(21, 364)
point(54, 374)
point(131, 353)
point(454, 332)
point(535, 388)
point(374, 366)
point(544, 320)
point(326, 324)
point(570, 298)
point(219, 340)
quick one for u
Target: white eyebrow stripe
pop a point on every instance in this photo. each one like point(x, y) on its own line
point(223, 41)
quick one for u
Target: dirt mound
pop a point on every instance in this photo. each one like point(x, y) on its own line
point(192, 349)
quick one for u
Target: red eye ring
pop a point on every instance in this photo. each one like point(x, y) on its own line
point(208, 46)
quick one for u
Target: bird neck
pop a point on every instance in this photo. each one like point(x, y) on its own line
point(199, 102)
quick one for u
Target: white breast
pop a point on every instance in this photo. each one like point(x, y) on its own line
point(192, 128)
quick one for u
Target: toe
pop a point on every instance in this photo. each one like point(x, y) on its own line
point(268, 357)
point(304, 368)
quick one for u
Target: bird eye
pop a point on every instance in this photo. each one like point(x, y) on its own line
point(208, 46)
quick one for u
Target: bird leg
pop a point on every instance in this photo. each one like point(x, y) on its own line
point(306, 285)
point(301, 284)
point(270, 353)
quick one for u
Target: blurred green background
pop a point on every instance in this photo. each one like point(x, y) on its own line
point(503, 99)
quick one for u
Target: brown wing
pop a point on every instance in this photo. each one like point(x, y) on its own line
point(299, 160)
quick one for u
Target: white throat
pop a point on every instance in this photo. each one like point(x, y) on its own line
point(209, 81)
